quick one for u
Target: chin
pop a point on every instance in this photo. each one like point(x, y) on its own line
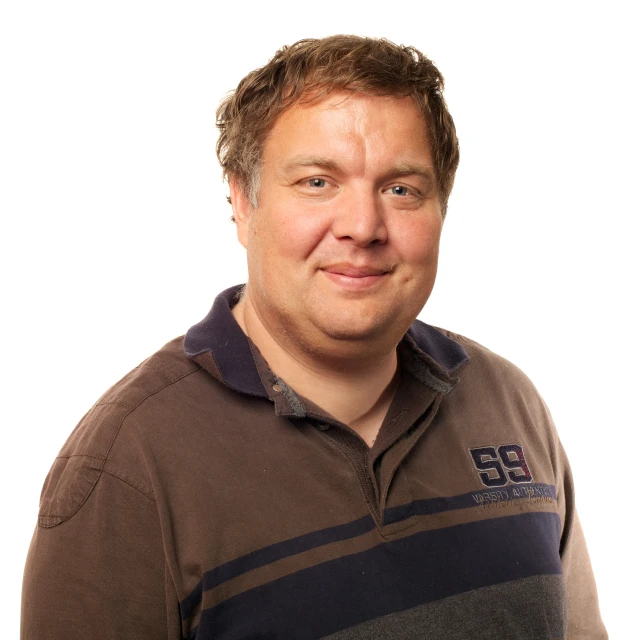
point(361, 331)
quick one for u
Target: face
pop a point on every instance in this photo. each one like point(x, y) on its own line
point(342, 248)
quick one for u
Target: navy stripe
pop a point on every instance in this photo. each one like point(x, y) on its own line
point(489, 497)
point(308, 541)
point(273, 553)
point(193, 600)
point(391, 577)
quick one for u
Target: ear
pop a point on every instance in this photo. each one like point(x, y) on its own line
point(242, 210)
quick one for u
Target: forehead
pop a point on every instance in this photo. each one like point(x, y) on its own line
point(350, 125)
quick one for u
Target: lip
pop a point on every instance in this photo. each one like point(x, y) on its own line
point(354, 271)
point(354, 277)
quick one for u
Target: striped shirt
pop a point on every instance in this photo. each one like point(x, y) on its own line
point(201, 497)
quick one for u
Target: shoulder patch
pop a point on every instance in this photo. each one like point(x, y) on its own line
point(82, 460)
point(67, 487)
point(79, 465)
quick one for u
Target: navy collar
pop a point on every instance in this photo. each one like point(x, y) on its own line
point(219, 337)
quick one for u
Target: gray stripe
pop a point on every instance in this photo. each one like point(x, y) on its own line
point(527, 609)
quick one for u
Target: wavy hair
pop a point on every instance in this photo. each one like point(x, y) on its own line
point(312, 68)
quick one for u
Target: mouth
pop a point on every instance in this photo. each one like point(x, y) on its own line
point(355, 277)
point(355, 271)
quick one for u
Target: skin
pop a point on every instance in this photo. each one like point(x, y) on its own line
point(342, 249)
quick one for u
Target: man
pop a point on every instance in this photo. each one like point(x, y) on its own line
point(310, 461)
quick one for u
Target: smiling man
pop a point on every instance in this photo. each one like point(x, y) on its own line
point(342, 249)
point(311, 461)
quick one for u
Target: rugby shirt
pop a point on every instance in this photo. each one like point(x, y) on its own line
point(201, 497)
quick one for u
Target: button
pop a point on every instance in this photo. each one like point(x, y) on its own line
point(323, 426)
point(277, 388)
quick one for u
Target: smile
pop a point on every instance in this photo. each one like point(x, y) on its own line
point(355, 278)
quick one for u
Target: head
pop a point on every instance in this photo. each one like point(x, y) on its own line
point(311, 69)
point(340, 154)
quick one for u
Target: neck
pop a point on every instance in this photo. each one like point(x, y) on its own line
point(356, 392)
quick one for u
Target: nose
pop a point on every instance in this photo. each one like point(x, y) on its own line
point(360, 218)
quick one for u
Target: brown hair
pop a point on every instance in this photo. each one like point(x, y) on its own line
point(310, 69)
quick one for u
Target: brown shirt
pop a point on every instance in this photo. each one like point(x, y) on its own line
point(201, 497)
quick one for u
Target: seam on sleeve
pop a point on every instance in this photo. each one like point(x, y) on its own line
point(105, 459)
point(117, 404)
point(129, 483)
point(79, 455)
point(160, 371)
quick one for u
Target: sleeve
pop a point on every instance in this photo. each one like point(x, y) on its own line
point(583, 612)
point(99, 572)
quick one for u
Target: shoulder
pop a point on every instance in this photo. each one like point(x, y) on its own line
point(108, 438)
point(487, 368)
point(492, 388)
point(487, 379)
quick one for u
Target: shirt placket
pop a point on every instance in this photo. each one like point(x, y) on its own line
point(378, 469)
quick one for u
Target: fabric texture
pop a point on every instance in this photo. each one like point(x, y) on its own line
point(201, 497)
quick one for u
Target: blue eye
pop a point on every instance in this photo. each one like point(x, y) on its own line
point(400, 191)
point(316, 182)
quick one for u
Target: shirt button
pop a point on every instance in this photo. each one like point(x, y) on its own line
point(277, 388)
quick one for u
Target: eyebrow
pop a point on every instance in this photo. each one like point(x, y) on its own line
point(313, 161)
point(413, 169)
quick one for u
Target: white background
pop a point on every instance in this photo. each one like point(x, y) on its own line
point(115, 235)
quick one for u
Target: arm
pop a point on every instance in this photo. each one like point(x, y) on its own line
point(583, 613)
point(100, 573)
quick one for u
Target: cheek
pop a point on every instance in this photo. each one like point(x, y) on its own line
point(418, 242)
point(291, 235)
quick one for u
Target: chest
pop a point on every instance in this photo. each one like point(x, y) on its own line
point(294, 535)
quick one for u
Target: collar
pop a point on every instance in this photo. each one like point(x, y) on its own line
point(218, 344)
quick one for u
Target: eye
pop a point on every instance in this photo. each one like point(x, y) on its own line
point(316, 187)
point(404, 196)
point(399, 190)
